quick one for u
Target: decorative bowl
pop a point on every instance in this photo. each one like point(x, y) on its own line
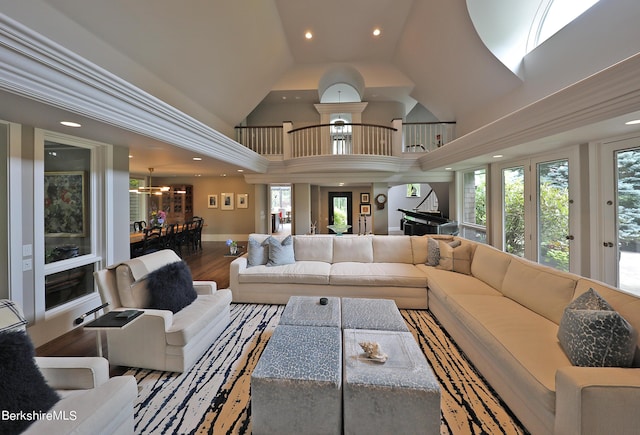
point(339, 229)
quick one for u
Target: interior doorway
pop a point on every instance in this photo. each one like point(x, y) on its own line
point(341, 209)
point(281, 209)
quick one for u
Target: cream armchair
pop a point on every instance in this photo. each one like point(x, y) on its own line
point(160, 339)
point(90, 402)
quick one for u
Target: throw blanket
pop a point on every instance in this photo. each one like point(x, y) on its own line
point(213, 397)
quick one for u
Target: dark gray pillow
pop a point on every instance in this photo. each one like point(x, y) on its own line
point(171, 287)
point(433, 249)
point(22, 386)
point(257, 252)
point(593, 334)
point(280, 253)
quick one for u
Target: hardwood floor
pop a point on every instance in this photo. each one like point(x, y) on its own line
point(208, 264)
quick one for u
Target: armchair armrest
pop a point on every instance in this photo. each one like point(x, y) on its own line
point(205, 287)
point(595, 400)
point(74, 373)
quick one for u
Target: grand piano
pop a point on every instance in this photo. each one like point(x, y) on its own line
point(419, 223)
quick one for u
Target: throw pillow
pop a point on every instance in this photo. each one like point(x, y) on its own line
point(455, 256)
point(593, 334)
point(280, 253)
point(433, 249)
point(257, 252)
point(11, 318)
point(171, 287)
point(22, 386)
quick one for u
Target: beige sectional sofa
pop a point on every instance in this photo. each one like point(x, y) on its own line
point(504, 314)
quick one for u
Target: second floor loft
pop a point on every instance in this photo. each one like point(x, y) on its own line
point(340, 138)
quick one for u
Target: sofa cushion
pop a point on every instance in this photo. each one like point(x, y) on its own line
point(444, 283)
point(257, 252)
point(542, 289)
point(455, 257)
point(352, 249)
point(280, 252)
point(392, 249)
point(171, 287)
point(522, 345)
point(11, 318)
point(313, 248)
point(199, 315)
point(300, 272)
point(22, 386)
point(593, 334)
point(490, 265)
point(377, 275)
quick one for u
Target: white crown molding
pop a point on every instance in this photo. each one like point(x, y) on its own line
point(612, 92)
point(35, 67)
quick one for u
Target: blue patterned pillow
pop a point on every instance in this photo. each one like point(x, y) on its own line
point(593, 334)
point(280, 252)
point(257, 252)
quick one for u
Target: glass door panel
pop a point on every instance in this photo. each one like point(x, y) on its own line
point(553, 214)
point(340, 209)
point(513, 217)
point(627, 163)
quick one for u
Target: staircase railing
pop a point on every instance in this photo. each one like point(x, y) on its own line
point(341, 138)
point(263, 140)
point(426, 136)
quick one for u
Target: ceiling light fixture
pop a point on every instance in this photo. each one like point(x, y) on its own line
point(151, 189)
point(308, 34)
point(197, 159)
point(634, 122)
point(497, 156)
point(70, 124)
point(377, 31)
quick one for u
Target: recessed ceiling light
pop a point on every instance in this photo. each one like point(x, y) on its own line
point(70, 124)
point(448, 169)
point(197, 159)
point(634, 122)
point(497, 156)
point(308, 34)
point(377, 31)
point(240, 170)
point(130, 156)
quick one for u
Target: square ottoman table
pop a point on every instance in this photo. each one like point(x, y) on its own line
point(307, 311)
point(381, 314)
point(296, 387)
point(399, 396)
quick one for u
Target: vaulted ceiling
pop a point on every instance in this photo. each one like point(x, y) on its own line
point(218, 60)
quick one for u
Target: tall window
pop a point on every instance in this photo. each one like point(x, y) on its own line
point(69, 223)
point(474, 205)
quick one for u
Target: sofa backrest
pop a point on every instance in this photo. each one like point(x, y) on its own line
point(626, 304)
point(542, 289)
point(352, 248)
point(392, 249)
point(313, 248)
point(490, 265)
point(129, 277)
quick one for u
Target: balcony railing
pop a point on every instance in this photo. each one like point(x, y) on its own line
point(420, 137)
point(341, 138)
point(346, 139)
point(263, 140)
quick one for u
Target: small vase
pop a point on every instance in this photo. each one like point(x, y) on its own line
point(233, 249)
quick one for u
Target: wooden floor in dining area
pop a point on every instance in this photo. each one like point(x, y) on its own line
point(208, 264)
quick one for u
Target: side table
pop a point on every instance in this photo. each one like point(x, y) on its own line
point(111, 320)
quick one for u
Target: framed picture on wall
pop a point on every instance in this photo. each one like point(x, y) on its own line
point(212, 201)
point(364, 198)
point(64, 204)
point(243, 200)
point(227, 201)
point(365, 209)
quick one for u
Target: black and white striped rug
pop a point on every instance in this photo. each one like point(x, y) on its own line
point(213, 396)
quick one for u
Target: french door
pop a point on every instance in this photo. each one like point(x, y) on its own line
point(341, 209)
point(538, 202)
point(620, 214)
